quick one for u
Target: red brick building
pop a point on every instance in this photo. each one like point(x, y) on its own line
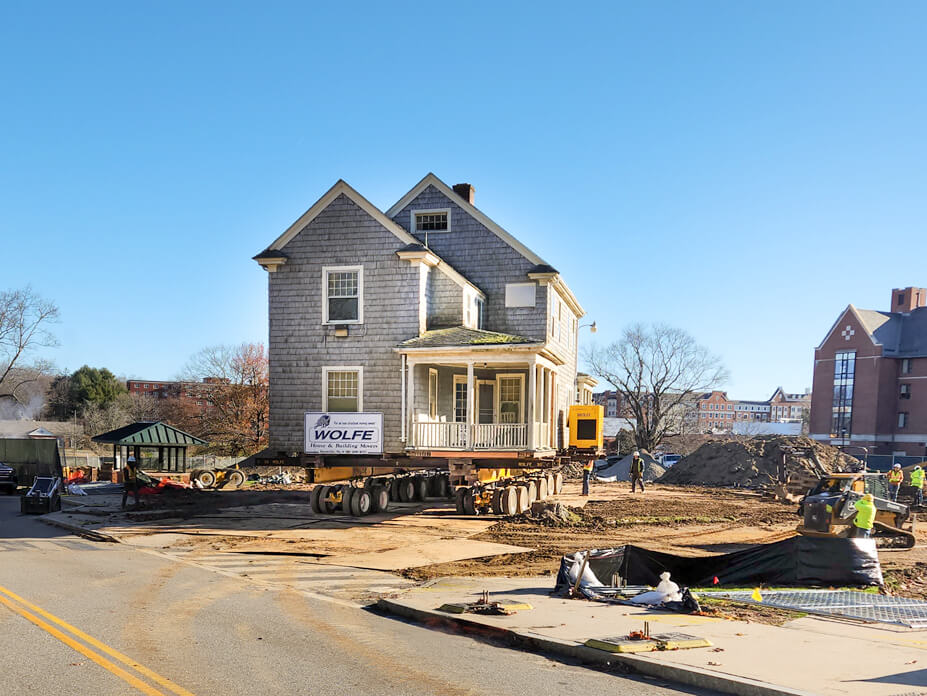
point(715, 411)
point(870, 378)
point(194, 392)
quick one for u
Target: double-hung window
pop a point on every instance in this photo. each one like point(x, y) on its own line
point(342, 389)
point(343, 295)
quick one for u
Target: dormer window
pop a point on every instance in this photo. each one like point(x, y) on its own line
point(431, 221)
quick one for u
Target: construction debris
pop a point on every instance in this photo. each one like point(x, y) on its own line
point(485, 606)
point(553, 514)
point(793, 464)
point(620, 470)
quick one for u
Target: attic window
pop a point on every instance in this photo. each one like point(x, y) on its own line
point(432, 220)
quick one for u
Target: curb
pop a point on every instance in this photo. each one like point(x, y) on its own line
point(682, 674)
point(91, 534)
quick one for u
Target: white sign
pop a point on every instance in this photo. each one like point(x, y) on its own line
point(344, 433)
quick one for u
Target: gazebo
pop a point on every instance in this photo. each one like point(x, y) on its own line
point(170, 442)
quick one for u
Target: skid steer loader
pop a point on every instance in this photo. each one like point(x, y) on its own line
point(827, 510)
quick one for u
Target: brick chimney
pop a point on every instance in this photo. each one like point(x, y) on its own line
point(906, 299)
point(465, 191)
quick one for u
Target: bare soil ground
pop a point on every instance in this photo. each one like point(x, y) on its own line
point(689, 521)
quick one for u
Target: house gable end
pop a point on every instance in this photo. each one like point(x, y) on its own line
point(849, 331)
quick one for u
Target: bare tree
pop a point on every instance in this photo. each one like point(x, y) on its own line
point(24, 319)
point(659, 370)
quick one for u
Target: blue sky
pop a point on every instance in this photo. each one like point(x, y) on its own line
point(742, 170)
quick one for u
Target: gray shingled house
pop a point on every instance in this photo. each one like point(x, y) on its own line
point(430, 313)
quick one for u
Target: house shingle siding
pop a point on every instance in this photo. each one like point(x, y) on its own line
point(342, 235)
point(445, 300)
point(485, 260)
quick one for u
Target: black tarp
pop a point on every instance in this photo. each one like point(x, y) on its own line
point(796, 561)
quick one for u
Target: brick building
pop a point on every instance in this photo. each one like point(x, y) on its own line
point(611, 401)
point(195, 392)
point(869, 385)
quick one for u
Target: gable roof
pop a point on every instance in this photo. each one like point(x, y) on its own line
point(431, 180)
point(149, 434)
point(273, 251)
point(901, 334)
point(870, 324)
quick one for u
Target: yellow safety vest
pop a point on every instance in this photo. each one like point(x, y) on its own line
point(917, 478)
point(895, 476)
point(588, 465)
point(865, 514)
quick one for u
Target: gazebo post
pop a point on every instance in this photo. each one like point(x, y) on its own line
point(160, 459)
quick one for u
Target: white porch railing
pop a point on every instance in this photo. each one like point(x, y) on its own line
point(464, 436)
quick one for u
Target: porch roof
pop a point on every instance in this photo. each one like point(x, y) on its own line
point(460, 336)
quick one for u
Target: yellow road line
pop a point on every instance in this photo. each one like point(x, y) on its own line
point(84, 650)
point(138, 667)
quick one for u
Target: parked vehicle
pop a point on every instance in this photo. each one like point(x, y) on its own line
point(8, 480)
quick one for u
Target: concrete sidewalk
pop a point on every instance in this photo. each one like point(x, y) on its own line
point(808, 655)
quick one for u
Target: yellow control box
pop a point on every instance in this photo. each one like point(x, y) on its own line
point(586, 426)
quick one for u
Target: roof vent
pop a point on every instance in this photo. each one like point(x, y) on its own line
point(465, 191)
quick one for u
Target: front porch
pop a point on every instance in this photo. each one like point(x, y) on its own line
point(504, 403)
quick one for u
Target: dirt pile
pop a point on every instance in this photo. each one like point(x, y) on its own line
point(757, 462)
point(553, 514)
point(572, 470)
point(620, 470)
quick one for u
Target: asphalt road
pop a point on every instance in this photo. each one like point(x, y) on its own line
point(121, 620)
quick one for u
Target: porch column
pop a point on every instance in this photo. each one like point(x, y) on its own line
point(471, 403)
point(532, 392)
point(410, 401)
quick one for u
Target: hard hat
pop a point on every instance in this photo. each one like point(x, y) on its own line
point(636, 453)
point(868, 497)
point(918, 466)
point(897, 466)
point(131, 458)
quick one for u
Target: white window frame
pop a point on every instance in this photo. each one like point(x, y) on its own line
point(510, 302)
point(343, 368)
point(460, 379)
point(432, 372)
point(480, 306)
point(498, 395)
point(433, 211)
point(360, 294)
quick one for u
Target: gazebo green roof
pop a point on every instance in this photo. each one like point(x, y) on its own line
point(149, 434)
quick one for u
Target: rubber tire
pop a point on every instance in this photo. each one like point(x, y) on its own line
point(558, 483)
point(444, 487)
point(458, 500)
point(508, 502)
point(347, 492)
point(235, 479)
point(394, 490)
point(324, 503)
point(550, 484)
point(315, 499)
point(542, 488)
point(532, 489)
point(497, 501)
point(57, 507)
point(523, 504)
point(380, 499)
point(469, 503)
point(206, 478)
point(361, 502)
point(406, 490)
point(421, 489)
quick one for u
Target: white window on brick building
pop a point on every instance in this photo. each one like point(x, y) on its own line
point(342, 389)
point(905, 391)
point(902, 419)
point(343, 293)
point(906, 366)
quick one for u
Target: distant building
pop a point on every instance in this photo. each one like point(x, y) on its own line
point(194, 392)
point(611, 401)
point(717, 412)
point(869, 371)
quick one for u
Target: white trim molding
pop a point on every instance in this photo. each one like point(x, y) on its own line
point(429, 211)
point(343, 368)
point(360, 294)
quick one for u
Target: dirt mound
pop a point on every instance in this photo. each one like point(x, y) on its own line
point(621, 470)
point(572, 470)
point(757, 462)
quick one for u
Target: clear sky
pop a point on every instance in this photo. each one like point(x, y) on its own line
point(742, 170)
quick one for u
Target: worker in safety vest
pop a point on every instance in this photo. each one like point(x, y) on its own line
point(637, 472)
point(895, 477)
point(865, 516)
point(130, 481)
point(587, 474)
point(917, 482)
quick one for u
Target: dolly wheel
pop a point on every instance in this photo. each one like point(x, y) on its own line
point(508, 501)
point(532, 489)
point(558, 483)
point(421, 488)
point(522, 504)
point(314, 502)
point(542, 488)
point(406, 490)
point(497, 502)
point(347, 495)
point(380, 499)
point(458, 500)
point(206, 478)
point(361, 502)
point(235, 479)
point(469, 502)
